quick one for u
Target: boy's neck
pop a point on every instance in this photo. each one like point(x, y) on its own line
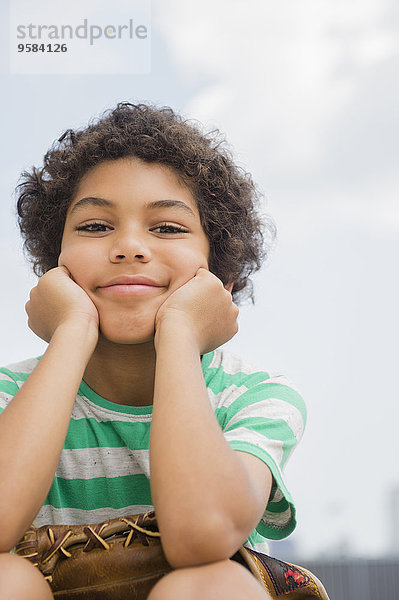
point(123, 374)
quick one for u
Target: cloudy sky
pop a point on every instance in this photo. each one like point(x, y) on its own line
point(306, 94)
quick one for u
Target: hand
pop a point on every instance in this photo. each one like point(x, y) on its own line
point(203, 308)
point(57, 299)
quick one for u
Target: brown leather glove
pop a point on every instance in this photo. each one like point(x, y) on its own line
point(123, 558)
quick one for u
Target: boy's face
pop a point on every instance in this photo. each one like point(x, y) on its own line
point(132, 219)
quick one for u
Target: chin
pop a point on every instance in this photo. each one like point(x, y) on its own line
point(127, 332)
point(123, 338)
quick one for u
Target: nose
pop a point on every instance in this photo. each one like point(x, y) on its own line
point(129, 246)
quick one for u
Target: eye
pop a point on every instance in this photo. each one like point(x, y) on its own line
point(168, 228)
point(93, 227)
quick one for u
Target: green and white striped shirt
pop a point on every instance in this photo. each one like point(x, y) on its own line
point(104, 468)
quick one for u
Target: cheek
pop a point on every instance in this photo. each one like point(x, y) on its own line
point(190, 260)
point(80, 262)
point(184, 264)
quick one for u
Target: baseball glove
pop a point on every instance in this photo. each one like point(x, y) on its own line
point(123, 558)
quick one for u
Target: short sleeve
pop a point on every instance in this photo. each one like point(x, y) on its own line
point(262, 414)
point(12, 377)
point(8, 388)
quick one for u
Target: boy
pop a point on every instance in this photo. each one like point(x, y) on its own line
point(144, 231)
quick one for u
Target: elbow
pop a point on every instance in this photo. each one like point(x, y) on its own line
point(8, 539)
point(201, 541)
point(5, 547)
point(10, 533)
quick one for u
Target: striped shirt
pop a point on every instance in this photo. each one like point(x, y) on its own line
point(104, 468)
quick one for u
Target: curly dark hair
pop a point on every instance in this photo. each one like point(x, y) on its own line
point(226, 196)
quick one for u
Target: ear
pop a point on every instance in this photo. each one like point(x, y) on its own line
point(229, 287)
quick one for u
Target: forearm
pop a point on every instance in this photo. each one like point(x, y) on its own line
point(34, 425)
point(200, 489)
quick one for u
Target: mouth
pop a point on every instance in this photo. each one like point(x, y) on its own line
point(136, 285)
point(130, 289)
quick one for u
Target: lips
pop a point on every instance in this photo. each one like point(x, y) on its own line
point(131, 280)
point(133, 285)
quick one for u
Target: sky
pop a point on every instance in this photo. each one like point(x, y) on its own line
point(306, 93)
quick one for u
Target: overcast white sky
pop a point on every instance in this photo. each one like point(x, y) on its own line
point(307, 94)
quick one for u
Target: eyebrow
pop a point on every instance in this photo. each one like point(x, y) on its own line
point(102, 202)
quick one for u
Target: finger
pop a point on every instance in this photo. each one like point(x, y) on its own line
point(66, 271)
point(201, 270)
